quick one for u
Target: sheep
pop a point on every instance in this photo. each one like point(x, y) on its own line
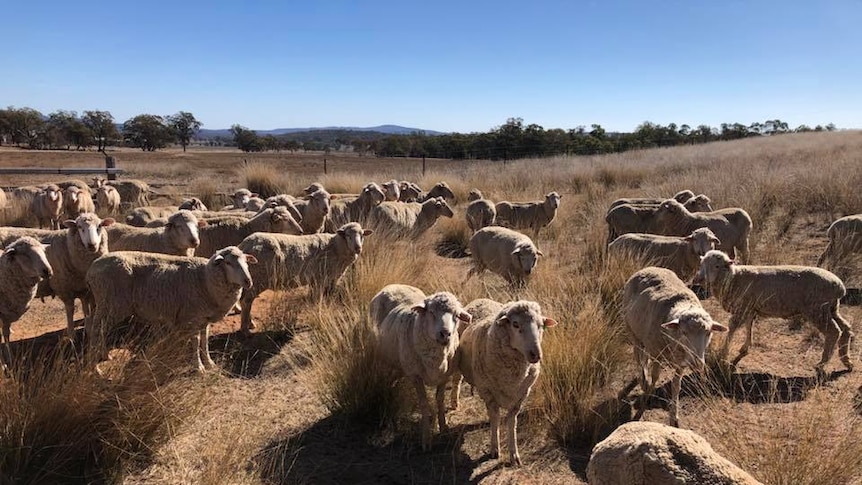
point(286, 201)
point(749, 292)
point(845, 237)
point(317, 260)
point(241, 197)
point(392, 191)
point(314, 187)
point(22, 264)
point(4, 201)
point(231, 231)
point(356, 209)
point(629, 218)
point(179, 237)
point(667, 325)
point(193, 204)
point(500, 356)
point(732, 225)
point(643, 452)
point(528, 215)
point(108, 199)
point(47, 206)
point(474, 194)
point(133, 193)
point(678, 254)
point(70, 253)
point(182, 293)
point(480, 213)
point(419, 338)
point(314, 211)
point(81, 185)
point(508, 253)
point(408, 219)
point(255, 204)
point(682, 197)
point(140, 216)
point(409, 192)
point(77, 201)
point(441, 189)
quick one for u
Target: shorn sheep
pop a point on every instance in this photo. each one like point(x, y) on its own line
point(409, 219)
point(678, 254)
point(732, 225)
point(231, 231)
point(178, 237)
point(108, 199)
point(47, 206)
point(749, 292)
point(22, 264)
point(500, 355)
point(181, 293)
point(480, 213)
point(528, 215)
point(419, 337)
point(77, 201)
point(845, 237)
point(668, 326)
point(508, 253)
point(314, 210)
point(317, 260)
point(356, 209)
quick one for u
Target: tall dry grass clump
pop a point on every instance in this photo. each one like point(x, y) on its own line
point(265, 180)
point(206, 189)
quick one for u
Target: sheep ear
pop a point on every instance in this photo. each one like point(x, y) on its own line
point(419, 308)
point(502, 321)
point(69, 224)
point(673, 324)
point(255, 195)
point(367, 232)
point(715, 239)
point(10, 251)
point(340, 232)
point(465, 317)
point(250, 259)
point(202, 223)
point(688, 238)
point(539, 253)
point(549, 322)
point(107, 222)
point(717, 327)
point(218, 259)
point(517, 251)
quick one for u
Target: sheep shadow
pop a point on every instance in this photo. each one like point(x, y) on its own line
point(34, 352)
point(853, 297)
point(606, 417)
point(334, 450)
point(244, 357)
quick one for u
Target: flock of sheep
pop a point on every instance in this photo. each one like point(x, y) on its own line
point(186, 267)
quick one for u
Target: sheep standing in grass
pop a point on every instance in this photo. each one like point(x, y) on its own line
point(732, 225)
point(392, 191)
point(480, 213)
point(178, 237)
point(284, 200)
point(508, 253)
point(633, 218)
point(22, 264)
point(409, 192)
point(77, 201)
point(317, 260)
point(231, 231)
point(408, 219)
point(70, 254)
point(181, 293)
point(845, 237)
point(749, 292)
point(419, 337)
point(314, 210)
point(108, 199)
point(356, 209)
point(678, 254)
point(500, 355)
point(47, 206)
point(528, 215)
point(682, 197)
point(668, 326)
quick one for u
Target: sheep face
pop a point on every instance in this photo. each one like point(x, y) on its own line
point(693, 332)
point(285, 201)
point(553, 200)
point(683, 195)
point(72, 193)
point(702, 241)
point(442, 190)
point(525, 258)
point(29, 255)
point(313, 188)
point(88, 227)
point(98, 182)
point(713, 268)
point(354, 235)
point(374, 193)
point(234, 264)
point(701, 203)
point(241, 197)
point(437, 314)
point(321, 201)
point(670, 210)
point(442, 208)
point(193, 204)
point(392, 190)
point(255, 204)
point(53, 193)
point(282, 221)
point(474, 194)
point(525, 325)
point(182, 227)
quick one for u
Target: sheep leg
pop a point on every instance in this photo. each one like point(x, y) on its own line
point(70, 318)
point(457, 378)
point(827, 253)
point(642, 361)
point(247, 324)
point(512, 425)
point(748, 320)
point(735, 321)
point(831, 333)
point(441, 407)
point(673, 407)
point(425, 409)
point(844, 340)
point(7, 354)
point(204, 348)
point(494, 418)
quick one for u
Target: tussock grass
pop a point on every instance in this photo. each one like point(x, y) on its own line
point(264, 179)
point(206, 189)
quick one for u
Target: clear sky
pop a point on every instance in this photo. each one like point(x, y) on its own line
point(443, 65)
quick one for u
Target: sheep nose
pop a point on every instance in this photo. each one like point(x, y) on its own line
point(534, 356)
point(47, 273)
point(91, 246)
point(247, 283)
point(358, 249)
point(195, 243)
point(529, 271)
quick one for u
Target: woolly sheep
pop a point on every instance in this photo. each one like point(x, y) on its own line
point(441, 189)
point(419, 338)
point(682, 197)
point(141, 216)
point(732, 225)
point(508, 253)
point(317, 260)
point(845, 237)
point(408, 219)
point(643, 452)
point(79, 184)
point(22, 264)
point(356, 209)
point(193, 204)
point(133, 193)
point(77, 201)
point(70, 253)
point(499, 355)
point(255, 204)
point(480, 213)
point(47, 206)
point(409, 192)
point(241, 197)
point(391, 190)
point(231, 231)
point(474, 194)
point(678, 254)
point(283, 200)
point(668, 326)
point(632, 218)
point(179, 237)
point(528, 215)
point(314, 187)
point(314, 211)
point(108, 199)
point(182, 293)
point(749, 292)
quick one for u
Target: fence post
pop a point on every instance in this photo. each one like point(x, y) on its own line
point(423, 165)
point(111, 162)
point(324, 165)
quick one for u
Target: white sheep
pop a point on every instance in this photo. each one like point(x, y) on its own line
point(255, 204)
point(749, 292)
point(317, 260)
point(70, 254)
point(508, 253)
point(192, 204)
point(528, 215)
point(133, 193)
point(680, 254)
point(474, 194)
point(22, 264)
point(480, 213)
point(668, 326)
point(392, 191)
point(419, 337)
point(409, 192)
point(77, 201)
point(355, 209)
point(732, 225)
point(141, 216)
point(845, 237)
point(410, 219)
point(179, 237)
point(641, 218)
point(185, 294)
point(241, 197)
point(682, 197)
point(231, 231)
point(500, 355)
point(440, 189)
point(284, 200)
point(108, 199)
point(47, 206)
point(314, 187)
point(314, 211)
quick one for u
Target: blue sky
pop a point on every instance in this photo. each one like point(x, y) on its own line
point(443, 65)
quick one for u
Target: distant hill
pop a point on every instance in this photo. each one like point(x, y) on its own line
point(384, 129)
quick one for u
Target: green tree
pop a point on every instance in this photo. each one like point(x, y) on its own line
point(245, 139)
point(27, 126)
point(184, 126)
point(147, 132)
point(101, 124)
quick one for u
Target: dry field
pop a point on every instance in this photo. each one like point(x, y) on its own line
point(304, 400)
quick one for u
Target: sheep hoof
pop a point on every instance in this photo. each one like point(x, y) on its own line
point(515, 460)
